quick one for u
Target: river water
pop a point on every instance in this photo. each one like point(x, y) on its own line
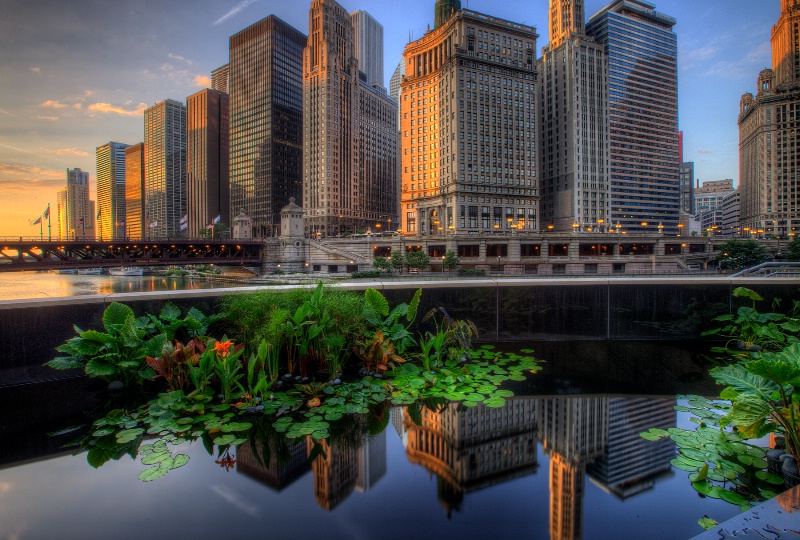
point(22, 285)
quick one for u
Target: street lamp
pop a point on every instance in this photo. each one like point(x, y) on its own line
point(575, 227)
point(680, 229)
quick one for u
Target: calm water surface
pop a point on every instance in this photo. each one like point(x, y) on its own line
point(563, 460)
point(19, 285)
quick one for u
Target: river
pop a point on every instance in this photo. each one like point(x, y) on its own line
point(21, 285)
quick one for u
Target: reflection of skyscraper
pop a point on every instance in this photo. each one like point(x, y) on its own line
point(266, 118)
point(474, 448)
point(630, 463)
point(574, 431)
point(371, 461)
point(280, 469)
point(335, 473)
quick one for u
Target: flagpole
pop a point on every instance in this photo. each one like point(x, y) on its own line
point(49, 231)
point(41, 230)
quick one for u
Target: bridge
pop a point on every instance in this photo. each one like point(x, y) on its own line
point(34, 254)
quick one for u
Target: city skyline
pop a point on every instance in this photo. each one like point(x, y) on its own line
point(73, 77)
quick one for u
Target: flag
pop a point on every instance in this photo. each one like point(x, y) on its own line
point(46, 214)
point(185, 218)
point(184, 226)
point(80, 220)
point(154, 224)
point(216, 220)
point(99, 212)
point(36, 221)
point(210, 226)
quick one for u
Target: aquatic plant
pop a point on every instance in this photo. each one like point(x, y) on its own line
point(390, 323)
point(173, 364)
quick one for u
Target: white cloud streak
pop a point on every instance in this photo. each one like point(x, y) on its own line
point(235, 11)
point(115, 109)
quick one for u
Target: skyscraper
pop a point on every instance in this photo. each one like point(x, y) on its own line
point(207, 160)
point(642, 54)
point(468, 130)
point(687, 187)
point(111, 191)
point(219, 78)
point(74, 210)
point(134, 191)
point(349, 132)
point(164, 169)
point(368, 47)
point(769, 160)
point(266, 118)
point(573, 124)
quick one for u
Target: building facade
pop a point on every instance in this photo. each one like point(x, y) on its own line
point(165, 197)
point(134, 191)
point(687, 187)
point(642, 54)
point(573, 125)
point(769, 159)
point(349, 133)
point(220, 77)
point(731, 220)
point(468, 127)
point(368, 47)
point(207, 160)
point(266, 118)
point(74, 210)
point(111, 191)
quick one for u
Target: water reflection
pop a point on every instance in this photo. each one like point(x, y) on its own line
point(470, 449)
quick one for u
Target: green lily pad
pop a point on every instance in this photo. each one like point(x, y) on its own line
point(769, 477)
point(684, 466)
point(155, 457)
point(732, 497)
point(153, 473)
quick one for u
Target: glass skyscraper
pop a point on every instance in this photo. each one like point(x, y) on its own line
point(266, 121)
point(642, 52)
point(164, 169)
point(111, 191)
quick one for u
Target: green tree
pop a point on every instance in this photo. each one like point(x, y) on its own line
point(737, 254)
point(417, 260)
point(382, 264)
point(398, 261)
point(450, 261)
point(793, 249)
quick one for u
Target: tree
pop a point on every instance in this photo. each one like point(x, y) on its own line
point(450, 261)
point(417, 260)
point(398, 261)
point(737, 254)
point(382, 264)
point(793, 249)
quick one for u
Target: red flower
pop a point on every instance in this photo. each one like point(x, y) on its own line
point(221, 347)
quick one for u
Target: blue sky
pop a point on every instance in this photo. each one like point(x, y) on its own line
point(75, 74)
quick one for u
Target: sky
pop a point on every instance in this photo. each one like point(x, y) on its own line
point(76, 74)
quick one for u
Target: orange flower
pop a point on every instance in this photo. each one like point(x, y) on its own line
point(221, 347)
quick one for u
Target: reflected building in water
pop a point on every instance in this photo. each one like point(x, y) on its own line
point(473, 448)
point(277, 468)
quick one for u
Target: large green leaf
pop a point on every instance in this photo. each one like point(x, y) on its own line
point(155, 346)
point(777, 371)
point(65, 362)
point(741, 380)
point(376, 301)
point(131, 333)
point(170, 312)
point(98, 337)
point(744, 292)
point(115, 316)
point(97, 367)
point(749, 412)
point(411, 314)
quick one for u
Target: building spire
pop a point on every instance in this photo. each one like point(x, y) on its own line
point(566, 17)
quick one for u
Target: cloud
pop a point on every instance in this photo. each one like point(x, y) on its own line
point(203, 81)
point(114, 109)
point(88, 93)
point(77, 106)
point(68, 152)
point(704, 151)
point(234, 11)
point(179, 58)
point(36, 70)
point(50, 118)
point(52, 104)
point(21, 178)
point(3, 111)
point(757, 58)
point(167, 67)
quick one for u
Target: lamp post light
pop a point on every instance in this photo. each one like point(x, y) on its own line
point(660, 228)
point(575, 227)
point(680, 229)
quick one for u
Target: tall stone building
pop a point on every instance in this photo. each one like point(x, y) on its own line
point(349, 133)
point(74, 211)
point(573, 125)
point(468, 125)
point(134, 191)
point(164, 169)
point(111, 191)
point(642, 54)
point(266, 115)
point(687, 187)
point(769, 159)
point(207, 160)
